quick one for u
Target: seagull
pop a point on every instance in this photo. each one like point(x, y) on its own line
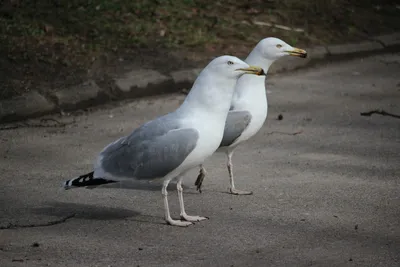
point(249, 105)
point(169, 146)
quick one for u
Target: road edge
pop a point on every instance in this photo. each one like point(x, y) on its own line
point(147, 82)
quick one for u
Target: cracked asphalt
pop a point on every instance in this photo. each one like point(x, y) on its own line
point(328, 196)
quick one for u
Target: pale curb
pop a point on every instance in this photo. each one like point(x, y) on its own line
point(77, 96)
point(31, 104)
point(366, 46)
point(140, 83)
point(185, 78)
point(389, 39)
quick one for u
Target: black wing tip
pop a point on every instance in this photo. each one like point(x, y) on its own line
point(85, 180)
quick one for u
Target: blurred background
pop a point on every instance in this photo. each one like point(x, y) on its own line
point(51, 44)
point(324, 168)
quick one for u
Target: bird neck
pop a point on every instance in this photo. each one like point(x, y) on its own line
point(257, 59)
point(209, 95)
point(250, 89)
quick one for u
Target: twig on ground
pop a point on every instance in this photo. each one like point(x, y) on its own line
point(43, 124)
point(285, 133)
point(50, 223)
point(380, 112)
point(282, 27)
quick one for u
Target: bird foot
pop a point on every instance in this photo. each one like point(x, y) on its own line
point(199, 181)
point(193, 218)
point(180, 223)
point(234, 191)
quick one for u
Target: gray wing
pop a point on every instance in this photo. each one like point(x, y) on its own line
point(236, 123)
point(151, 151)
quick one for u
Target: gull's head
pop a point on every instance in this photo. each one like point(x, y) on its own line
point(273, 48)
point(232, 67)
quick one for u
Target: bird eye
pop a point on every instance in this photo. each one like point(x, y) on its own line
point(279, 46)
point(230, 63)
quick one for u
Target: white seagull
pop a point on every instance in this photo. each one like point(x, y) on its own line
point(171, 145)
point(249, 106)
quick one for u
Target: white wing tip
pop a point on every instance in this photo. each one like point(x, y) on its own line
point(66, 185)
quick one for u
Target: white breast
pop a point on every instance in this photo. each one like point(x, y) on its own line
point(251, 97)
point(210, 136)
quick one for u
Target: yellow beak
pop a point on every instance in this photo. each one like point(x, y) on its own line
point(253, 70)
point(297, 52)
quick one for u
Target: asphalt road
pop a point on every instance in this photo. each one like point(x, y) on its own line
point(328, 196)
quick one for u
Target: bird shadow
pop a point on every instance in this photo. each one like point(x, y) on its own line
point(145, 186)
point(135, 185)
point(84, 211)
point(92, 212)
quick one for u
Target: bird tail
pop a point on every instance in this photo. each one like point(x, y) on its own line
point(85, 180)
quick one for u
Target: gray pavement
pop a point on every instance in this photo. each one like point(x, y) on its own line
point(328, 196)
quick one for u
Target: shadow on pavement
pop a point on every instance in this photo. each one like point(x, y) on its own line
point(146, 186)
point(85, 211)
